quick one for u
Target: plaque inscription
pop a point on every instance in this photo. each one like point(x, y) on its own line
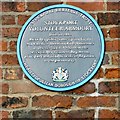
point(60, 47)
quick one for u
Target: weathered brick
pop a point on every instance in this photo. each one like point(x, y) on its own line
point(1, 100)
point(5, 88)
point(22, 19)
point(14, 102)
point(8, 6)
point(113, 5)
point(99, 74)
point(0, 30)
point(4, 115)
point(106, 59)
point(100, 101)
point(85, 89)
point(112, 73)
point(13, 74)
point(9, 59)
point(35, 6)
point(1, 73)
point(104, 30)
point(88, 6)
point(13, 45)
point(53, 2)
point(43, 101)
point(10, 32)
point(116, 44)
point(32, 114)
point(112, 45)
point(3, 45)
point(13, 6)
point(1, 60)
point(39, 5)
point(109, 114)
point(29, 87)
point(93, 15)
point(75, 114)
point(1, 7)
point(109, 87)
point(115, 32)
point(49, 101)
point(108, 18)
point(8, 19)
point(20, 6)
point(62, 101)
point(116, 59)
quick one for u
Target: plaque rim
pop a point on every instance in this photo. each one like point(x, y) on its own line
point(88, 77)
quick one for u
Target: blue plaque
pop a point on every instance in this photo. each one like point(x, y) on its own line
point(60, 47)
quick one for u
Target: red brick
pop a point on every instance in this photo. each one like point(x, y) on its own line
point(0, 6)
point(108, 18)
point(13, 74)
point(1, 60)
point(35, 6)
point(88, 6)
point(62, 101)
point(5, 88)
point(32, 114)
point(109, 114)
point(112, 73)
point(3, 45)
point(9, 59)
point(8, 19)
point(1, 100)
point(4, 115)
point(113, 6)
point(75, 114)
point(104, 30)
point(8, 6)
point(22, 19)
point(85, 89)
point(49, 101)
point(53, 3)
point(114, 32)
point(29, 87)
point(99, 74)
point(93, 15)
point(12, 45)
point(0, 31)
point(43, 101)
point(1, 73)
point(109, 87)
point(39, 5)
point(116, 44)
point(10, 32)
point(14, 102)
point(101, 101)
point(20, 6)
point(106, 59)
point(13, 6)
point(116, 59)
point(112, 45)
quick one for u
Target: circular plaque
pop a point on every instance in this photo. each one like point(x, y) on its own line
point(60, 47)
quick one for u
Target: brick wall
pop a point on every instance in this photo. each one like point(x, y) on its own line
point(20, 98)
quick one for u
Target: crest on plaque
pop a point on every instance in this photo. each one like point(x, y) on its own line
point(60, 75)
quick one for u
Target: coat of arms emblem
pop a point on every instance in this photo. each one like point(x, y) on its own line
point(60, 75)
